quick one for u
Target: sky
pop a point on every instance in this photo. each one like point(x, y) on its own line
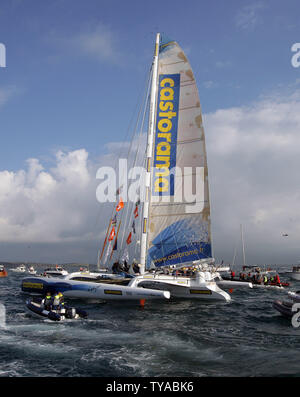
point(74, 73)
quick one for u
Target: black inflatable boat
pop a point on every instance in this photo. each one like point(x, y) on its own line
point(36, 308)
point(284, 307)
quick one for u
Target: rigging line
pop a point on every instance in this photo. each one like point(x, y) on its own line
point(121, 149)
point(140, 119)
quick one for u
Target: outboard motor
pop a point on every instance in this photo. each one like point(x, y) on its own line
point(81, 313)
point(70, 312)
point(54, 316)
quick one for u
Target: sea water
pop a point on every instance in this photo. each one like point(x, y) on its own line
point(181, 338)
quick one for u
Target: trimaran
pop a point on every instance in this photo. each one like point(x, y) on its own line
point(175, 229)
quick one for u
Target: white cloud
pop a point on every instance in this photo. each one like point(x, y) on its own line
point(48, 206)
point(95, 40)
point(254, 162)
point(6, 93)
point(248, 17)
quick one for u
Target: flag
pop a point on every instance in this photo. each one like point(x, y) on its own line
point(133, 227)
point(112, 234)
point(120, 205)
point(128, 241)
point(136, 212)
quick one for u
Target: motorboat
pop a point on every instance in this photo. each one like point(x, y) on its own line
point(260, 278)
point(286, 307)
point(57, 271)
point(19, 269)
point(3, 272)
point(37, 309)
point(31, 270)
point(295, 274)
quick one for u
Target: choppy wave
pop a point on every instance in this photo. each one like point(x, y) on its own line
point(245, 337)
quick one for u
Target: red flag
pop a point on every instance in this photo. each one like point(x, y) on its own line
point(120, 205)
point(112, 234)
point(128, 241)
point(136, 212)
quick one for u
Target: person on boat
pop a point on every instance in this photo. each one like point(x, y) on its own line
point(47, 302)
point(61, 300)
point(265, 279)
point(272, 280)
point(125, 266)
point(277, 279)
point(116, 268)
point(135, 267)
point(56, 302)
point(260, 280)
point(232, 274)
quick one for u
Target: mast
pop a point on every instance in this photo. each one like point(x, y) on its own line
point(243, 245)
point(150, 138)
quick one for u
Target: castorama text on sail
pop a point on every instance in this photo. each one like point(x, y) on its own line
point(166, 134)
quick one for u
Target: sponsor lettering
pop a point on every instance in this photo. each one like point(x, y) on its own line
point(166, 135)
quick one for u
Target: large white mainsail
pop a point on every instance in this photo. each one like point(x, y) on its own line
point(176, 216)
point(178, 230)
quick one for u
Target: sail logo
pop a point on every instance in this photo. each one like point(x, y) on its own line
point(296, 57)
point(166, 135)
point(2, 56)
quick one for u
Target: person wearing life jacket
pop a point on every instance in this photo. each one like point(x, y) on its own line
point(232, 274)
point(265, 280)
point(61, 300)
point(47, 301)
point(56, 301)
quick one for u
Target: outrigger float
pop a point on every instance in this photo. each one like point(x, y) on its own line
point(89, 290)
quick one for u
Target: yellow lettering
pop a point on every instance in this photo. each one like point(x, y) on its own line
point(166, 135)
point(162, 172)
point(163, 149)
point(164, 125)
point(164, 106)
point(165, 160)
point(161, 185)
point(167, 80)
point(167, 114)
point(167, 94)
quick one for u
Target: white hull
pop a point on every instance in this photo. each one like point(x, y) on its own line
point(90, 290)
point(294, 296)
point(295, 276)
point(182, 287)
